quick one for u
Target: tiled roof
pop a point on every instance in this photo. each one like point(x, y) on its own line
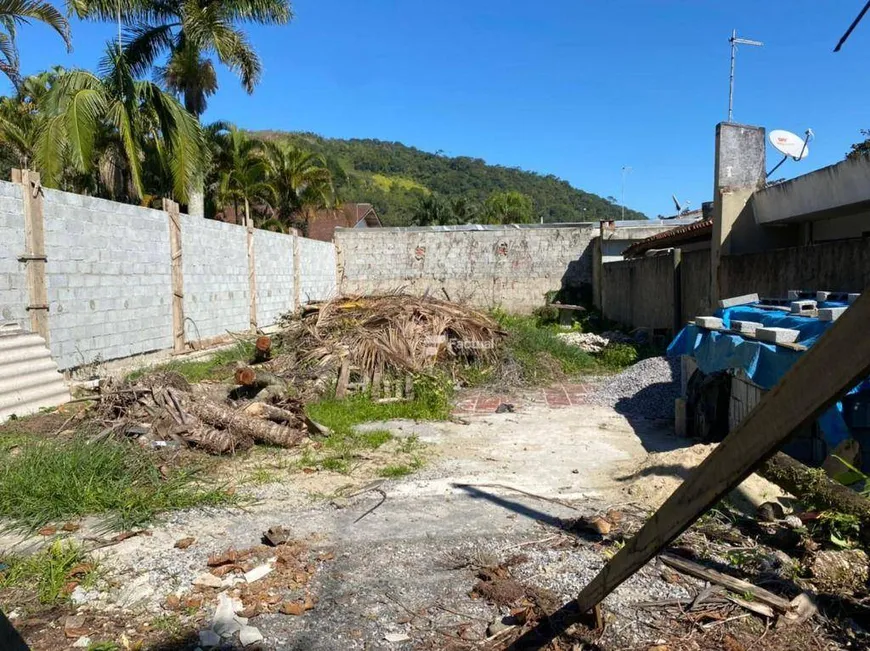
point(698, 231)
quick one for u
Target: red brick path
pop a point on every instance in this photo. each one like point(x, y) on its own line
point(557, 396)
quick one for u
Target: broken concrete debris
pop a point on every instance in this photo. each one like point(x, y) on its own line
point(258, 573)
point(208, 580)
point(396, 637)
point(249, 635)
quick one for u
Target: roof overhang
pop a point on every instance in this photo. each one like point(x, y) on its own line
point(835, 191)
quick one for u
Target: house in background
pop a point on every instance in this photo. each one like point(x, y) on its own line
point(350, 215)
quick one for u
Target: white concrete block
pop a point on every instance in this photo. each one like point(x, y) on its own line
point(830, 313)
point(853, 298)
point(708, 322)
point(747, 299)
point(821, 297)
point(746, 327)
point(800, 307)
point(777, 335)
point(793, 294)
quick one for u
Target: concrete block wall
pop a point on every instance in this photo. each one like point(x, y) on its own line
point(507, 266)
point(639, 292)
point(317, 270)
point(215, 269)
point(13, 280)
point(273, 257)
point(107, 278)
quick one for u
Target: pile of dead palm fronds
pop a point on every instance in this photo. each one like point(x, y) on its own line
point(162, 408)
point(396, 333)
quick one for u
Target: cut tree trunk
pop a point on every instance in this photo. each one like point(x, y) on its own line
point(263, 349)
point(813, 486)
point(246, 376)
point(275, 414)
point(216, 441)
point(243, 425)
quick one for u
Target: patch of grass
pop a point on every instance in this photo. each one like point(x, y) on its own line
point(103, 646)
point(386, 183)
point(260, 475)
point(50, 480)
point(431, 402)
point(47, 571)
point(167, 623)
point(396, 471)
point(540, 354)
point(217, 367)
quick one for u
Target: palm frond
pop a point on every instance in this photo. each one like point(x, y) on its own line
point(44, 12)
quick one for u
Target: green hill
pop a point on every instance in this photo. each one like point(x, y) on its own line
point(393, 177)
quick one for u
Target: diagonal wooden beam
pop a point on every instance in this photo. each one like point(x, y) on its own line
point(836, 363)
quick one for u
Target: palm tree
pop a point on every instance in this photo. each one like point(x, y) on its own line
point(239, 170)
point(109, 123)
point(20, 12)
point(301, 182)
point(188, 31)
point(432, 210)
point(21, 119)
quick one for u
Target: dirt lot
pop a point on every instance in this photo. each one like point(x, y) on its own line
point(486, 530)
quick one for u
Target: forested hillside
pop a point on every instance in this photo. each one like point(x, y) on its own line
point(395, 177)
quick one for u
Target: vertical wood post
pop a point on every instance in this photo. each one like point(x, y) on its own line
point(34, 257)
point(677, 258)
point(171, 209)
point(252, 277)
point(297, 271)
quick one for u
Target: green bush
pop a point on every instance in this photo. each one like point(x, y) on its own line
point(618, 355)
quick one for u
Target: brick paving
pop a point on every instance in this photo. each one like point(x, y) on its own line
point(557, 396)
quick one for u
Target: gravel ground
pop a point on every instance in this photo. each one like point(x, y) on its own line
point(645, 390)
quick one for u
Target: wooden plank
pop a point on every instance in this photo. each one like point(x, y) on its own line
point(34, 257)
point(835, 364)
point(252, 279)
point(177, 271)
point(739, 586)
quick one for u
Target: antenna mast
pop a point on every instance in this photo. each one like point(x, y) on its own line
point(735, 41)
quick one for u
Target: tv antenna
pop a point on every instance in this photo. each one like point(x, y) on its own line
point(680, 209)
point(735, 41)
point(790, 145)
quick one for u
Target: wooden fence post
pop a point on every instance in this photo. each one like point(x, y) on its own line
point(171, 209)
point(252, 278)
point(34, 257)
point(677, 258)
point(297, 271)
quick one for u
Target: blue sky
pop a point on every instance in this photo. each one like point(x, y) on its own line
point(575, 88)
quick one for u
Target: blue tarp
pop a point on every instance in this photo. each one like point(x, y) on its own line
point(765, 364)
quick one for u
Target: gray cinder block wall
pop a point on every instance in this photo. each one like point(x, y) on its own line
point(107, 277)
point(318, 283)
point(109, 281)
point(215, 268)
point(13, 281)
point(274, 268)
point(508, 266)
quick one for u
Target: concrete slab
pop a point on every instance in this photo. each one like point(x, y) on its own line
point(830, 313)
point(746, 327)
point(777, 335)
point(746, 299)
point(853, 298)
point(708, 322)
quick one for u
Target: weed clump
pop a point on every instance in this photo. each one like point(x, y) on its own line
point(50, 480)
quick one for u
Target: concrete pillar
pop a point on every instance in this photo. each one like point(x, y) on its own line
point(739, 172)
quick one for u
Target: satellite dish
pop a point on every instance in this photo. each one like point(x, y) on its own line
point(789, 144)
